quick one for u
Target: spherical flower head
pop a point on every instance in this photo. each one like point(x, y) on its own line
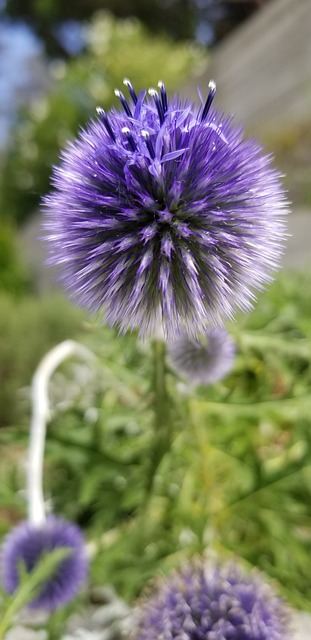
point(212, 603)
point(164, 214)
point(203, 360)
point(28, 543)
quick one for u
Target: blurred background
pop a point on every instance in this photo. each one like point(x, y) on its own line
point(58, 61)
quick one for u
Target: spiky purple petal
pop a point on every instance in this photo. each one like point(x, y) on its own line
point(28, 543)
point(164, 214)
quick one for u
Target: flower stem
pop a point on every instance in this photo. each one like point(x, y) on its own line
point(162, 410)
point(39, 419)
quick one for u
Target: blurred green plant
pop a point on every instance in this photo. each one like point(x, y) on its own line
point(28, 328)
point(176, 19)
point(180, 20)
point(13, 275)
point(115, 49)
point(236, 475)
point(29, 585)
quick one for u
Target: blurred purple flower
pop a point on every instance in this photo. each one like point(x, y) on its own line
point(163, 213)
point(28, 543)
point(212, 603)
point(204, 360)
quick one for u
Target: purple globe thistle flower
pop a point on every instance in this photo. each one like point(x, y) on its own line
point(215, 603)
point(203, 360)
point(164, 214)
point(28, 543)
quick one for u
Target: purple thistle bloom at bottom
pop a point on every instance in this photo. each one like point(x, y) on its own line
point(212, 603)
point(205, 360)
point(28, 543)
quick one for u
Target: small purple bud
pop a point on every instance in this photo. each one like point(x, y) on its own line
point(209, 99)
point(28, 543)
point(162, 88)
point(124, 103)
point(104, 118)
point(158, 103)
point(131, 90)
point(205, 360)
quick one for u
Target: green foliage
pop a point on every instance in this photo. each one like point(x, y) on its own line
point(176, 19)
point(180, 19)
point(13, 278)
point(28, 328)
point(233, 474)
point(237, 474)
point(29, 586)
point(116, 49)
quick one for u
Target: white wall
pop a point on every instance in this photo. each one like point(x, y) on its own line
point(263, 70)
